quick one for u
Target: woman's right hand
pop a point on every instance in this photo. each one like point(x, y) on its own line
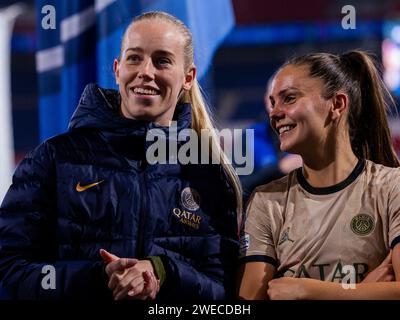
point(130, 278)
point(382, 273)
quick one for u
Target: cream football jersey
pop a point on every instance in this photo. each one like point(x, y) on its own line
point(316, 232)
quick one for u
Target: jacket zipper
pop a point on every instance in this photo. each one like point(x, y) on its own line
point(143, 204)
point(142, 215)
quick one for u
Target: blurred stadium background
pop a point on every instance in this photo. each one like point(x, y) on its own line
point(264, 34)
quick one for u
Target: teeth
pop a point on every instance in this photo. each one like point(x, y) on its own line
point(284, 129)
point(145, 91)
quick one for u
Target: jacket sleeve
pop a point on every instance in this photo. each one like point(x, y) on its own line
point(211, 276)
point(210, 279)
point(29, 267)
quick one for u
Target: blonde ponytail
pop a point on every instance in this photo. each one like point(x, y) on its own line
point(201, 120)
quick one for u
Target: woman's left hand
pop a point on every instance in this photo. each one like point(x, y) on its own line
point(287, 288)
point(137, 283)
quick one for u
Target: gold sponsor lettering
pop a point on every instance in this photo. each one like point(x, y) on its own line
point(191, 224)
point(189, 218)
point(176, 212)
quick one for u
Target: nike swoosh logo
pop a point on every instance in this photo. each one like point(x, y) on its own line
point(80, 188)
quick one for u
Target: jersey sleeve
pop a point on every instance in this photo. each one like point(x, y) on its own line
point(256, 242)
point(394, 213)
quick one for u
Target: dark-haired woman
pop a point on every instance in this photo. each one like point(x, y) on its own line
point(319, 232)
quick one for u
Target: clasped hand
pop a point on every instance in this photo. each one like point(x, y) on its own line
point(130, 278)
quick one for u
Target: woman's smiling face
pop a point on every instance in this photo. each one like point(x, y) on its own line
point(152, 72)
point(298, 112)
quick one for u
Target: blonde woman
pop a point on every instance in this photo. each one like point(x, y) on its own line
point(165, 231)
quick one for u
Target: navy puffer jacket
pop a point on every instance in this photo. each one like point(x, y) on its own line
point(92, 188)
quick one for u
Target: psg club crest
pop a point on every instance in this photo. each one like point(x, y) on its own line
point(190, 199)
point(362, 224)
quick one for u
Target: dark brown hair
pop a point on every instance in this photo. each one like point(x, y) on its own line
point(356, 73)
